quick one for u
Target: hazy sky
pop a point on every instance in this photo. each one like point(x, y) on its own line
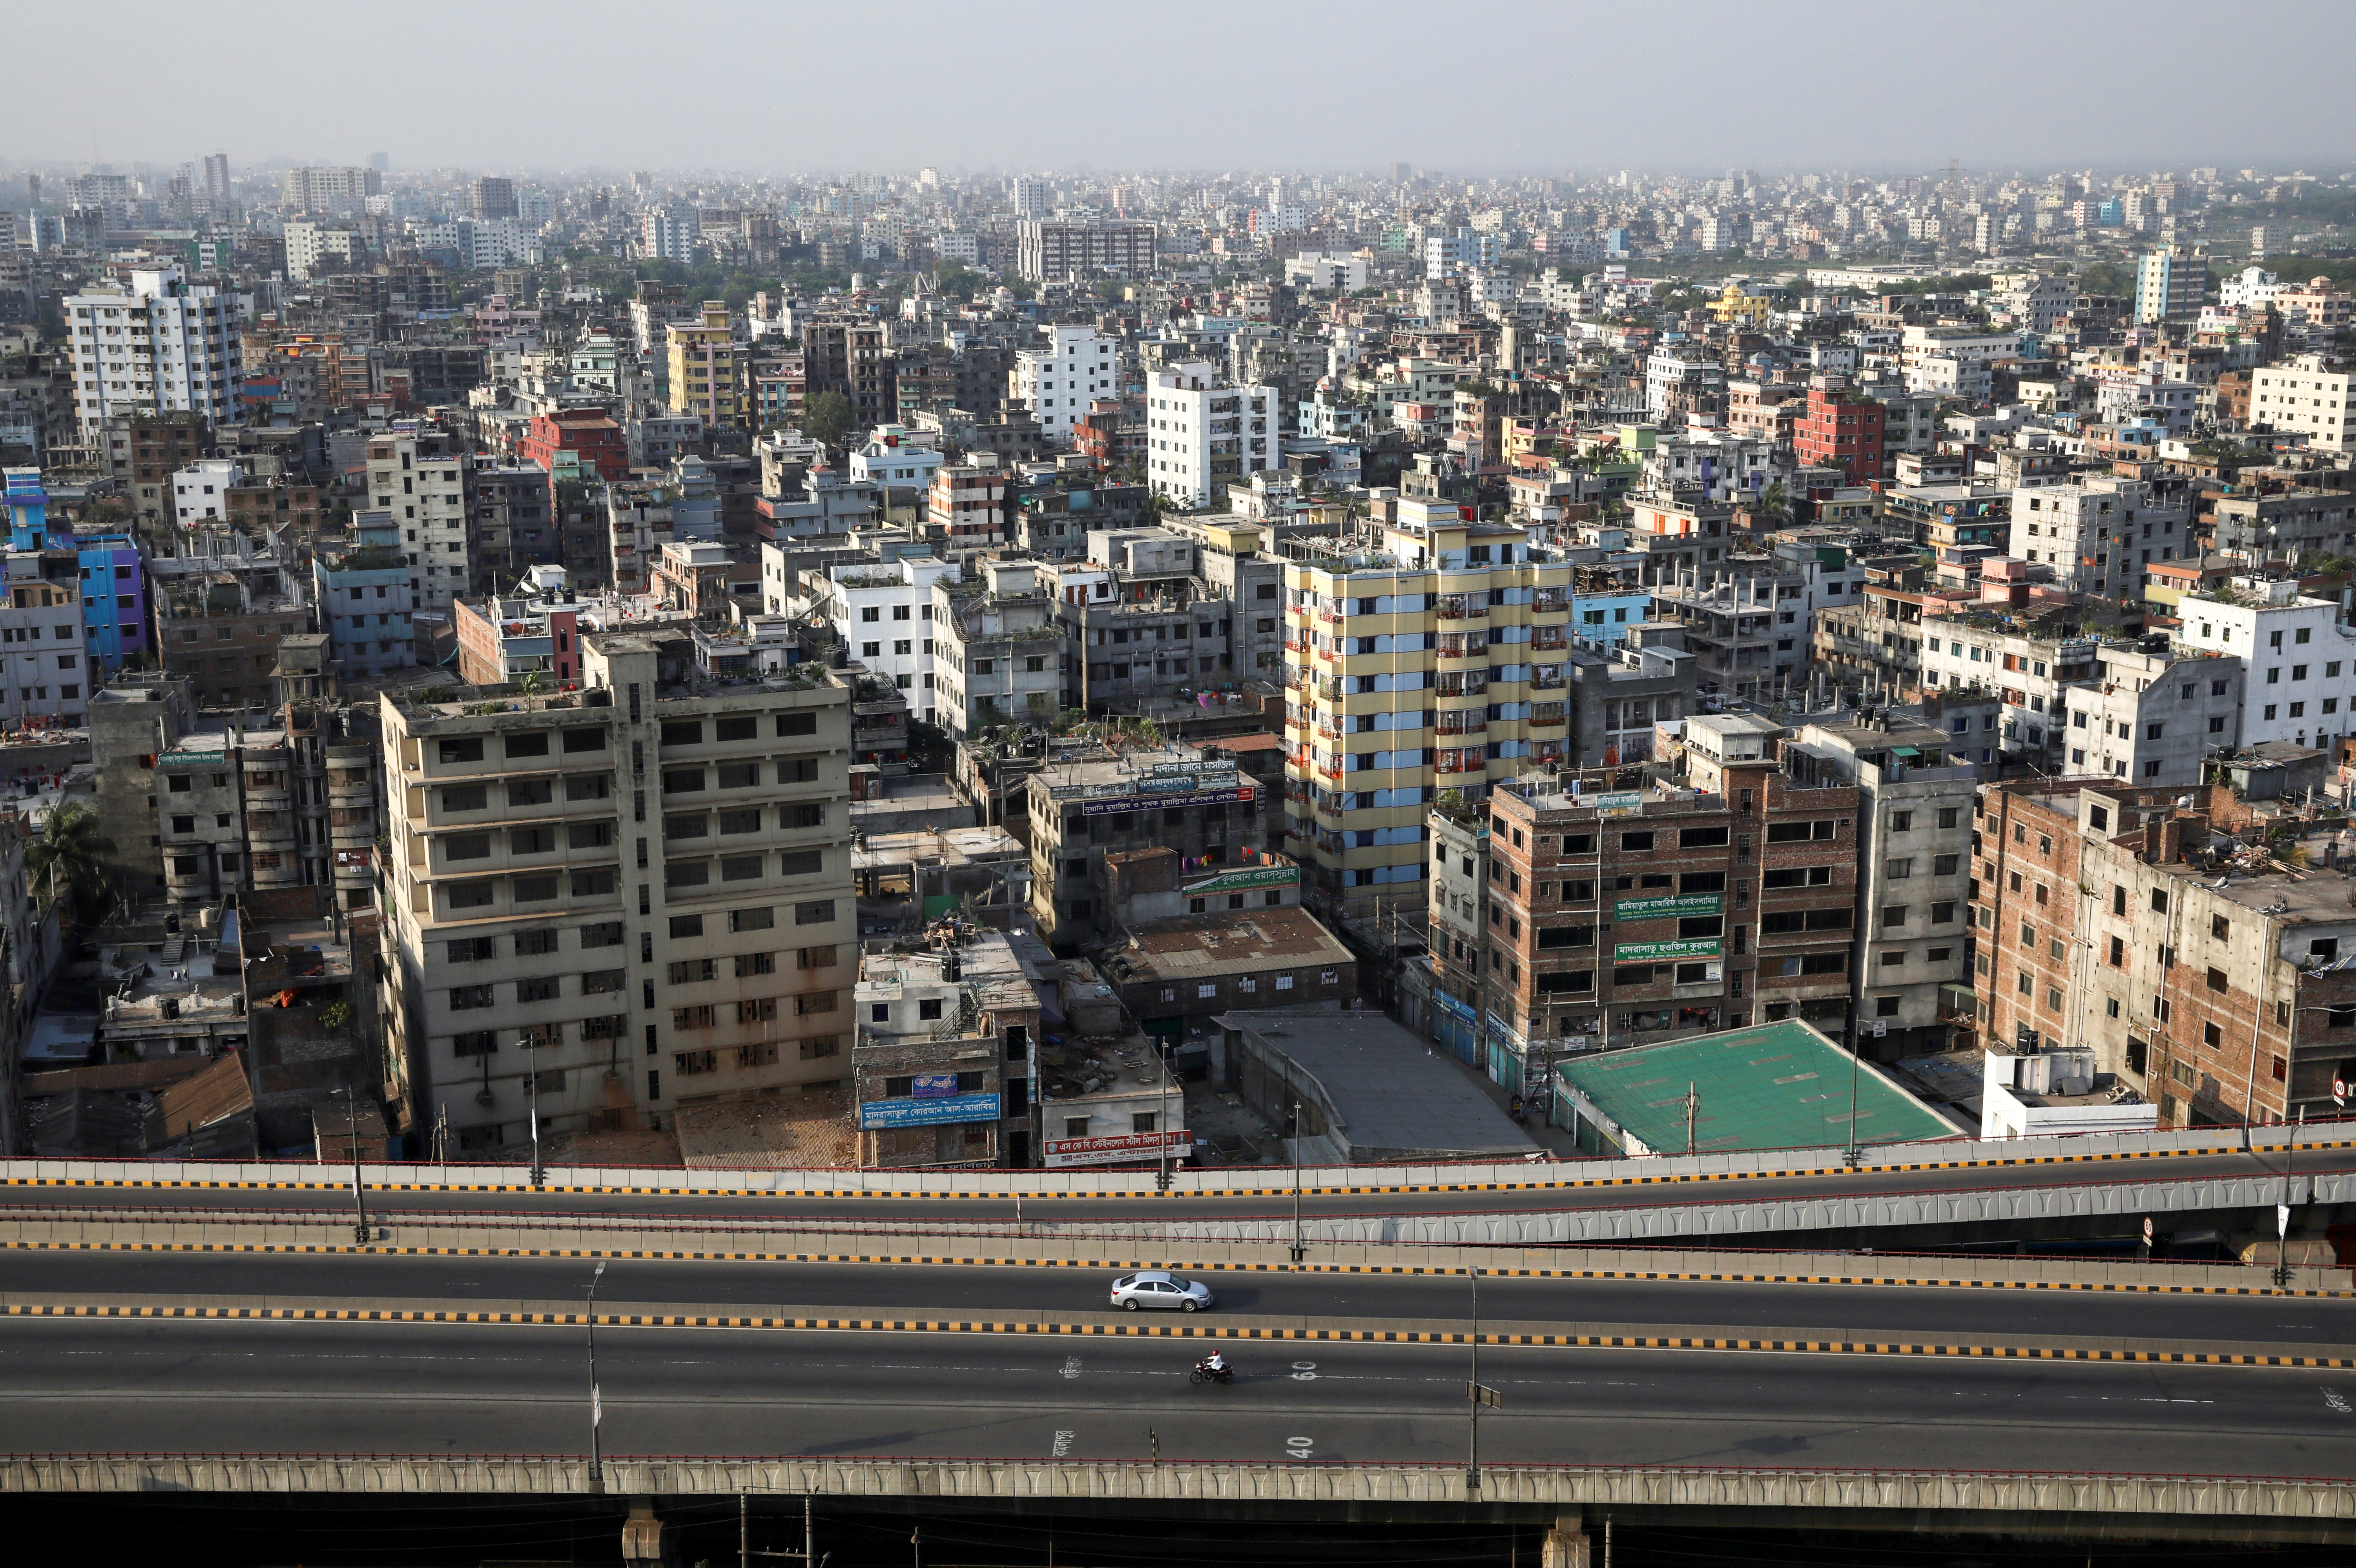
point(1507, 85)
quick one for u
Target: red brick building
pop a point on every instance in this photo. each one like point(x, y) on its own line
point(1835, 431)
point(2196, 968)
point(591, 432)
point(1674, 916)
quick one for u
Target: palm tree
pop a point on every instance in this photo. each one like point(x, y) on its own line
point(69, 856)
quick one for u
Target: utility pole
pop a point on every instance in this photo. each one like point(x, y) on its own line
point(1693, 1113)
point(1475, 1396)
point(1852, 1156)
point(1161, 1122)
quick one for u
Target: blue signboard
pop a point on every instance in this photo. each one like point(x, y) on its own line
point(1157, 802)
point(933, 1085)
point(981, 1107)
point(1448, 1003)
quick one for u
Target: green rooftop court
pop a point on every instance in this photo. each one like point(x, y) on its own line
point(1772, 1086)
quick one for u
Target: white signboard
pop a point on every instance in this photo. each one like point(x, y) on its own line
point(1121, 1149)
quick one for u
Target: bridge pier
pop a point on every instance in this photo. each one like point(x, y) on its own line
point(1567, 1545)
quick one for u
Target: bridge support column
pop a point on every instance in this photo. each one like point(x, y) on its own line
point(1566, 1544)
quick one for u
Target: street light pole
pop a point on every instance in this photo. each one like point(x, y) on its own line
point(1473, 1398)
point(531, 1082)
point(596, 1405)
point(2282, 1231)
point(352, 1131)
point(1299, 1250)
point(1161, 1122)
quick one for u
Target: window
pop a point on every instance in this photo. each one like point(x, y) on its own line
point(584, 740)
point(471, 895)
point(1798, 876)
point(818, 911)
point(791, 724)
point(1700, 837)
point(464, 999)
point(682, 781)
point(741, 867)
point(604, 934)
point(476, 1043)
point(466, 846)
point(456, 797)
point(527, 745)
point(1899, 868)
point(467, 751)
point(1631, 843)
point(1797, 832)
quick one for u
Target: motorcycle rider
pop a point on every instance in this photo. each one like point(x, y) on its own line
point(1215, 1364)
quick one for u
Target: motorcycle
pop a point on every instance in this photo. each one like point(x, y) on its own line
point(1205, 1373)
point(1521, 1117)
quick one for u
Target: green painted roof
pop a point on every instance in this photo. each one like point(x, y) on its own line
point(1777, 1085)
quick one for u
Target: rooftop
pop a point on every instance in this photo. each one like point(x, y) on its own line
point(1198, 946)
point(1387, 1089)
point(1773, 1086)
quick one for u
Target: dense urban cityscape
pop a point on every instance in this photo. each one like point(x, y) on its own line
point(1677, 756)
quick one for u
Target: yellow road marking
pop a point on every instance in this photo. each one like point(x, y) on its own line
point(899, 1259)
point(1180, 1332)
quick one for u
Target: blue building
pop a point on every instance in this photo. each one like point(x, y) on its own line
point(365, 600)
point(28, 508)
point(1606, 618)
point(114, 599)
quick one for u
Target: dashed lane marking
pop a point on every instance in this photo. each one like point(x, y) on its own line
point(1180, 1332)
point(1195, 1266)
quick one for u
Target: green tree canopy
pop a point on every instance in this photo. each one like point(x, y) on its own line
point(68, 858)
point(828, 418)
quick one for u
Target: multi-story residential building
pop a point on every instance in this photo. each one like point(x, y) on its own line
point(999, 650)
point(638, 525)
point(851, 355)
point(705, 377)
point(1203, 437)
point(2308, 395)
point(1140, 624)
point(165, 344)
point(883, 613)
point(491, 197)
point(1916, 800)
point(1055, 249)
point(2171, 284)
point(582, 443)
point(2100, 533)
point(43, 664)
point(1428, 656)
point(219, 620)
point(1622, 916)
point(1617, 693)
point(421, 475)
point(941, 1072)
point(365, 600)
point(331, 189)
point(145, 451)
point(534, 631)
point(965, 506)
point(1086, 801)
point(2153, 714)
point(2114, 921)
point(607, 903)
point(313, 250)
point(1839, 429)
point(513, 529)
point(1062, 377)
point(2260, 528)
point(2299, 658)
point(2027, 665)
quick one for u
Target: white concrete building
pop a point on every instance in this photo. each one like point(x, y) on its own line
point(884, 611)
point(44, 680)
point(200, 491)
point(314, 248)
point(2151, 719)
point(2304, 397)
point(1329, 270)
point(1203, 437)
point(421, 477)
point(2054, 1094)
point(2100, 533)
point(2302, 660)
point(166, 345)
point(1061, 377)
point(895, 458)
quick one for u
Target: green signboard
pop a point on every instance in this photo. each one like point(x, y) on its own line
point(1662, 908)
point(1642, 952)
point(1235, 881)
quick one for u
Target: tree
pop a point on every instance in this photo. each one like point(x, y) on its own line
point(828, 418)
point(1773, 507)
point(69, 857)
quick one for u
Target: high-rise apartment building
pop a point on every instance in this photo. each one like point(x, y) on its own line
point(608, 903)
point(704, 373)
point(1429, 658)
point(1062, 377)
point(2306, 396)
point(2171, 284)
point(217, 178)
point(1203, 438)
point(1049, 248)
point(331, 189)
point(166, 345)
point(419, 474)
point(491, 197)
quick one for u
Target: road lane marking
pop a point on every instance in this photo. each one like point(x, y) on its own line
point(2336, 1400)
point(1072, 1367)
point(1373, 1190)
point(1063, 1444)
point(900, 1259)
point(1193, 1330)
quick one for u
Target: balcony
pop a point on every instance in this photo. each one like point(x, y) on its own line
point(1462, 607)
point(1464, 650)
point(1548, 640)
point(1462, 722)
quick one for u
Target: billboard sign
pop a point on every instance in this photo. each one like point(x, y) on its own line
point(1120, 1149)
point(1663, 908)
point(1657, 952)
point(1249, 877)
point(913, 1112)
point(1157, 802)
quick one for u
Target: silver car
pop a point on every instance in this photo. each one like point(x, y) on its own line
point(1154, 1288)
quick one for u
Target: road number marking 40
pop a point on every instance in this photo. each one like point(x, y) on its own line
point(1301, 1448)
